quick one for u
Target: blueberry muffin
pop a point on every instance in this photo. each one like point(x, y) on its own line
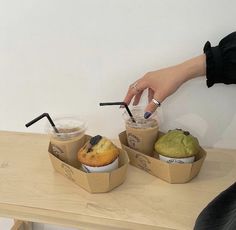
point(97, 152)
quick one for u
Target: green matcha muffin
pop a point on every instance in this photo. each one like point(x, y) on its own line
point(177, 144)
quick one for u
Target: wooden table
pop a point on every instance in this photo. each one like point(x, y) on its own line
point(31, 190)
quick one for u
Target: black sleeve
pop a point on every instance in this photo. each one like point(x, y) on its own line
point(219, 214)
point(221, 61)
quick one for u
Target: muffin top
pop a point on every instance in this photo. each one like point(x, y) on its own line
point(177, 144)
point(98, 151)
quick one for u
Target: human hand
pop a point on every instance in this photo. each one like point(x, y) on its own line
point(164, 82)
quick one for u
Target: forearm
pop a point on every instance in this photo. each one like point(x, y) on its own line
point(193, 68)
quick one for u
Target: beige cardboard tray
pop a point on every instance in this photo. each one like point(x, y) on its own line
point(172, 173)
point(92, 182)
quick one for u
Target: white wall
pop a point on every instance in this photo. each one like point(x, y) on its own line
point(39, 226)
point(64, 57)
point(6, 223)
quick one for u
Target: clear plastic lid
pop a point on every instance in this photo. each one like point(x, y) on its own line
point(140, 121)
point(68, 127)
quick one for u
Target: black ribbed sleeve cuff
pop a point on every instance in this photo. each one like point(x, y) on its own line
point(221, 61)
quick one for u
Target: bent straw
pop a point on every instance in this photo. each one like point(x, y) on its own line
point(120, 103)
point(39, 118)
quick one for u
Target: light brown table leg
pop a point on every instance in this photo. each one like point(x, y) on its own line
point(22, 225)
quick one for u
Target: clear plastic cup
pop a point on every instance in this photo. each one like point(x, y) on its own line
point(69, 140)
point(142, 134)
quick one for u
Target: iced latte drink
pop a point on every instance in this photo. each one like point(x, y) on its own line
point(71, 137)
point(142, 134)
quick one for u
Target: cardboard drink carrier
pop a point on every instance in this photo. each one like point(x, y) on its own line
point(172, 173)
point(91, 182)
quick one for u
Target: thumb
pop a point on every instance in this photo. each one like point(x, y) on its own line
point(151, 107)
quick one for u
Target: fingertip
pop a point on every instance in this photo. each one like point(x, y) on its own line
point(150, 109)
point(147, 115)
point(128, 99)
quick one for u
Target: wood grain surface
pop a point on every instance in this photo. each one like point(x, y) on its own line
point(31, 190)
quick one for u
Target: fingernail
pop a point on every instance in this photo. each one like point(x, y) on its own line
point(147, 115)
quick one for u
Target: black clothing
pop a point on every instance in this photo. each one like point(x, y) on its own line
point(221, 61)
point(219, 214)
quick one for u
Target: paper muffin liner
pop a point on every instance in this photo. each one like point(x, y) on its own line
point(171, 160)
point(106, 168)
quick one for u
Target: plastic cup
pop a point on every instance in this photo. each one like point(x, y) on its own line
point(71, 137)
point(106, 168)
point(142, 134)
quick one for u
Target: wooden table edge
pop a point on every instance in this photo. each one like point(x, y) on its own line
point(67, 219)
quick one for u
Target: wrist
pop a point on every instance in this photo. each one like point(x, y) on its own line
point(193, 68)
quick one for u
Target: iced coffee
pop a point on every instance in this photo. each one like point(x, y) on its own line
point(68, 140)
point(142, 134)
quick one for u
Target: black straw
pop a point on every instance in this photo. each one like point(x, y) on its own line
point(120, 103)
point(39, 118)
